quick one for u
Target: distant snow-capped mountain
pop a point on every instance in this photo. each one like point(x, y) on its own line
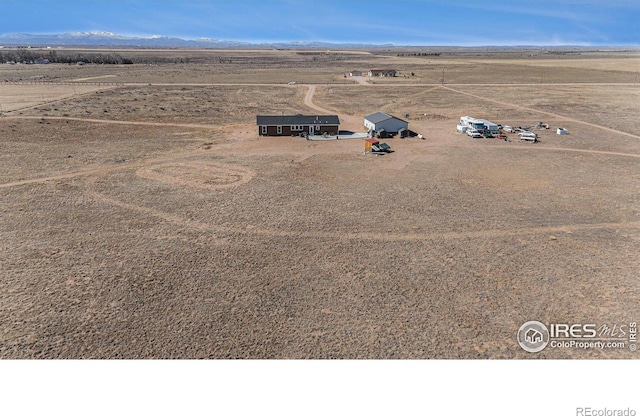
point(109, 39)
point(93, 34)
point(158, 41)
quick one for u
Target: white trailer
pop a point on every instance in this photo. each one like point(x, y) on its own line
point(472, 123)
point(528, 136)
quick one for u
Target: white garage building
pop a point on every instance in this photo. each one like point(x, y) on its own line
point(385, 125)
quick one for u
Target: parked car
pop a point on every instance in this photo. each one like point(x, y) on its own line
point(508, 129)
point(474, 134)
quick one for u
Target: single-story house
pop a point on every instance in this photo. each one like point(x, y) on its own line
point(297, 124)
point(383, 73)
point(385, 125)
point(355, 73)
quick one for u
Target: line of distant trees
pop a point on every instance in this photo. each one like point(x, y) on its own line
point(23, 55)
point(55, 57)
point(420, 54)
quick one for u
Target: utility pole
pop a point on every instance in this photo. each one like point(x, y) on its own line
point(442, 76)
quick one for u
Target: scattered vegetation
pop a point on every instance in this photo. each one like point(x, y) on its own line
point(420, 54)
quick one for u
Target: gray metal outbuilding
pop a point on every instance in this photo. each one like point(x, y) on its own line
point(382, 122)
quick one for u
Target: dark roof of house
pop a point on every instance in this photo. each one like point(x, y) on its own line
point(379, 117)
point(297, 119)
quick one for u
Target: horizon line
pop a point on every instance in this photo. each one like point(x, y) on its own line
point(255, 42)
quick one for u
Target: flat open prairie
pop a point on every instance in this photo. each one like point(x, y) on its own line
point(143, 216)
point(19, 97)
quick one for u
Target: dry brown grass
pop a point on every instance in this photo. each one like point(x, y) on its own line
point(203, 240)
point(219, 105)
point(629, 64)
point(17, 97)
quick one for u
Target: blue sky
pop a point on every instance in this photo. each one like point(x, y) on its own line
point(402, 22)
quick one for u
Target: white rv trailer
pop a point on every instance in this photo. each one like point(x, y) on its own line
point(472, 123)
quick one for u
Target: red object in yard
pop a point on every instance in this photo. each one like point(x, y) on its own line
point(368, 143)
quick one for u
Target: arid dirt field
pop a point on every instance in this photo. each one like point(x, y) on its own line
point(143, 217)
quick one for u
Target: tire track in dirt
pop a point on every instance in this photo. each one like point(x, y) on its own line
point(90, 185)
point(249, 230)
point(536, 147)
point(568, 149)
point(198, 174)
point(217, 176)
point(101, 170)
point(122, 122)
point(62, 176)
point(93, 78)
point(9, 113)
